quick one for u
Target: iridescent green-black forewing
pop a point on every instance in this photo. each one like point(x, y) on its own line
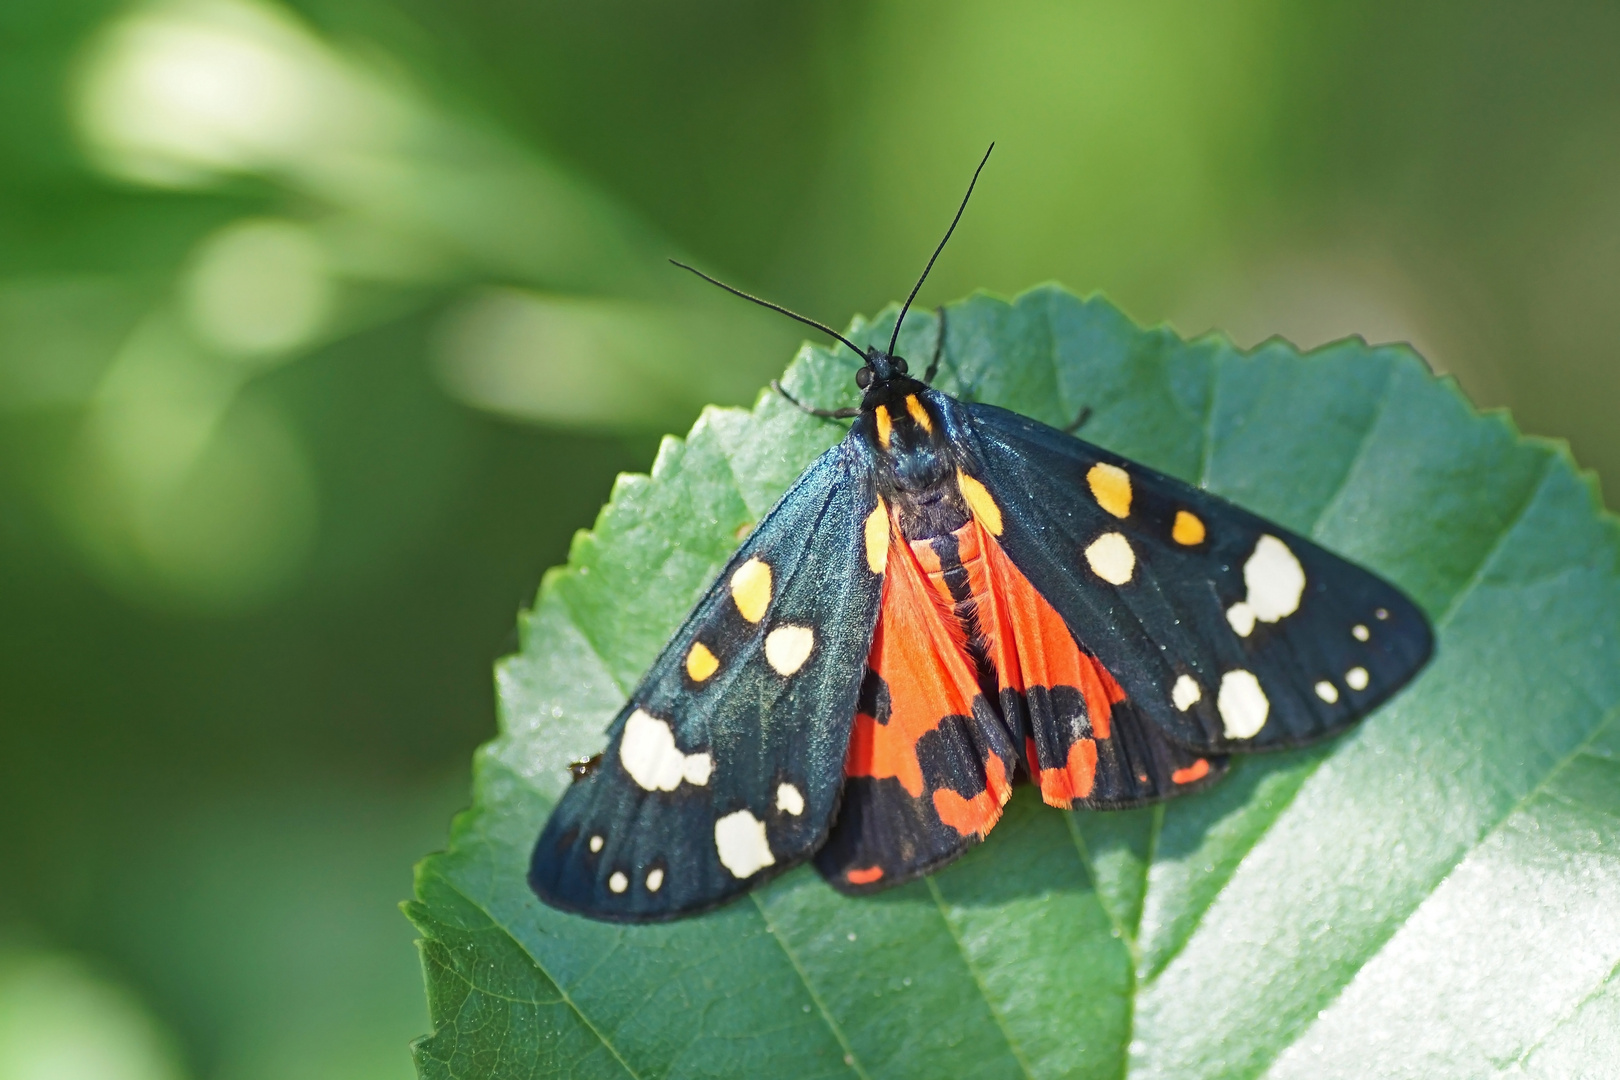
point(725, 766)
point(1228, 632)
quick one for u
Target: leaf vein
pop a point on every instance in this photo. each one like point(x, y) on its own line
point(978, 982)
point(567, 998)
point(815, 998)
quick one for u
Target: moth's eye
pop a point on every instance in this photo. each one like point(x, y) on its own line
point(899, 363)
point(863, 378)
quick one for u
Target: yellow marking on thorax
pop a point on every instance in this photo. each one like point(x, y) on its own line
point(1111, 487)
point(1187, 530)
point(918, 413)
point(979, 501)
point(700, 662)
point(751, 589)
point(885, 425)
point(877, 537)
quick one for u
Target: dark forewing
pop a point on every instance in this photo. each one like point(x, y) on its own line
point(724, 768)
point(1228, 632)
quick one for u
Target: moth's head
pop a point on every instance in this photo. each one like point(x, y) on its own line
point(884, 378)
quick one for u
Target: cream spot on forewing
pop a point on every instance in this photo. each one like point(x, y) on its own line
point(977, 496)
point(1241, 616)
point(739, 838)
point(1360, 633)
point(655, 879)
point(1327, 692)
point(697, 768)
point(618, 882)
point(1243, 705)
point(789, 800)
point(1185, 694)
point(1381, 614)
point(788, 647)
point(1275, 580)
point(649, 754)
point(877, 537)
point(1111, 558)
point(700, 662)
point(751, 589)
point(1111, 487)
point(1356, 678)
point(596, 843)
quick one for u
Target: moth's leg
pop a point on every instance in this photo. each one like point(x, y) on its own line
point(829, 414)
point(1079, 421)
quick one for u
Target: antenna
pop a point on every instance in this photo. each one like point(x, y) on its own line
point(895, 337)
point(776, 307)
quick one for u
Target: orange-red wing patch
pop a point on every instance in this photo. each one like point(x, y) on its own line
point(1075, 778)
point(1032, 647)
point(865, 875)
point(1196, 771)
point(917, 651)
point(1031, 644)
point(978, 815)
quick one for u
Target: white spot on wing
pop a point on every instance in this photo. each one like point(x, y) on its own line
point(649, 754)
point(1275, 580)
point(1185, 694)
point(618, 882)
point(788, 647)
point(1327, 691)
point(1356, 678)
point(1242, 704)
point(655, 879)
point(1360, 633)
point(789, 800)
point(1241, 616)
point(596, 843)
point(739, 837)
point(696, 769)
point(1111, 558)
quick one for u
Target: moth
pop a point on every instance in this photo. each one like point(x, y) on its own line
point(952, 599)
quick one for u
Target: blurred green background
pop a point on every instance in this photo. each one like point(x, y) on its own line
point(323, 326)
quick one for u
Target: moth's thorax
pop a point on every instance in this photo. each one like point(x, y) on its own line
point(915, 470)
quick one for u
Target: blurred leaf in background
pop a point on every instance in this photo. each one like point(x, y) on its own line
point(324, 324)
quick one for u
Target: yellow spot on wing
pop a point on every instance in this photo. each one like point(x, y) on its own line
point(877, 537)
point(1111, 487)
point(918, 413)
point(700, 662)
point(885, 425)
point(1188, 530)
point(751, 589)
point(979, 501)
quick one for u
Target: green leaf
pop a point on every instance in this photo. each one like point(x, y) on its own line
point(1437, 894)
